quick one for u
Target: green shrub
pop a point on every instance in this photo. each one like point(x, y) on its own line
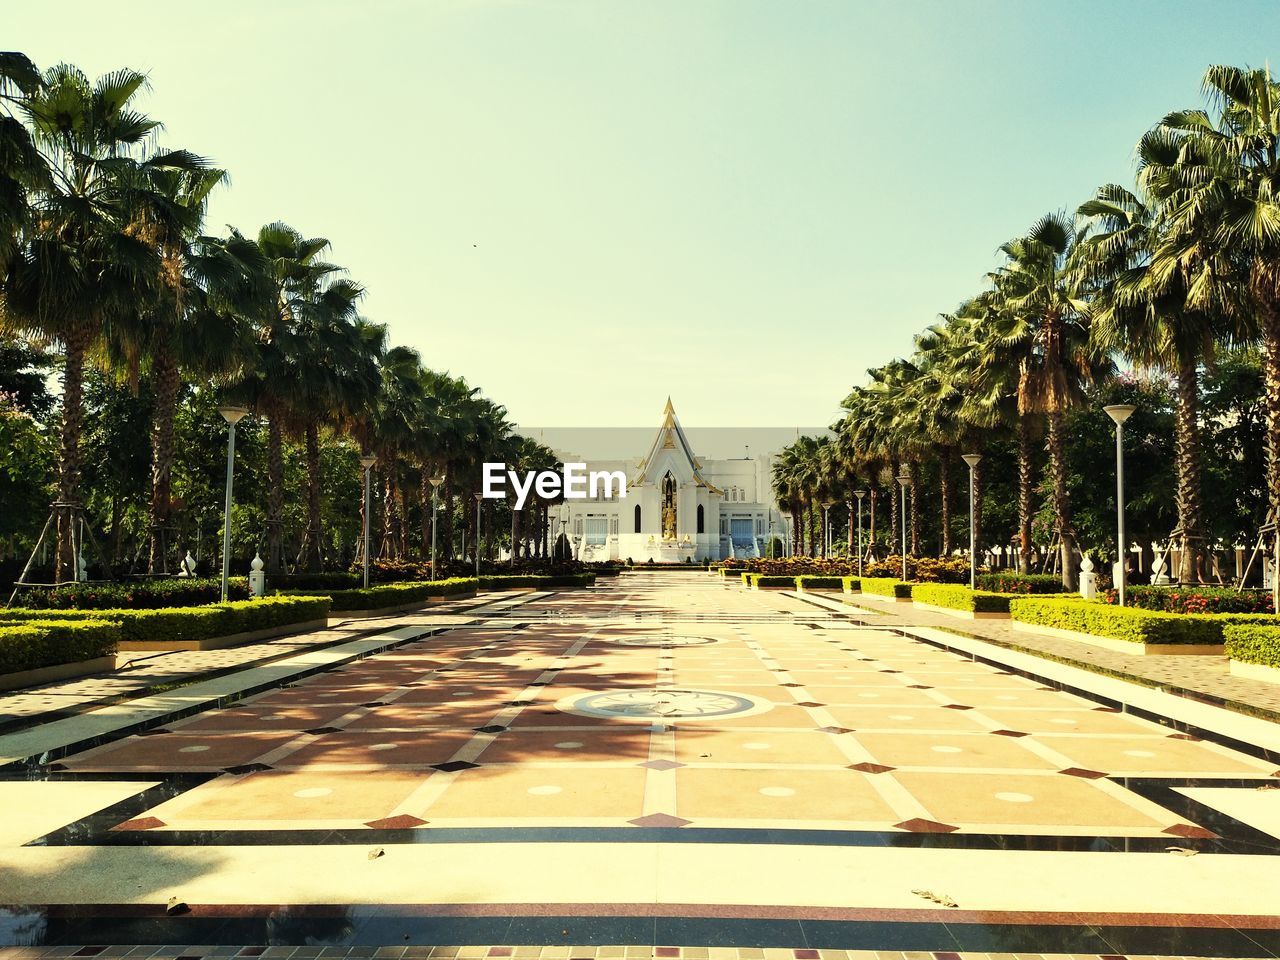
point(293, 582)
point(190, 623)
point(1253, 643)
point(760, 580)
point(1012, 582)
point(45, 643)
point(499, 582)
point(1132, 624)
point(140, 595)
point(851, 584)
point(956, 596)
point(394, 594)
point(811, 581)
point(886, 587)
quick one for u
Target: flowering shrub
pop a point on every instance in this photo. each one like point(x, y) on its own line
point(921, 569)
point(1194, 599)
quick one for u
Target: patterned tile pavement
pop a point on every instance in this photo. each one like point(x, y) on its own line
point(1204, 675)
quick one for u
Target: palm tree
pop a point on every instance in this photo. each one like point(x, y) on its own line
point(80, 264)
point(1037, 284)
point(21, 171)
point(1142, 313)
point(294, 273)
point(1215, 179)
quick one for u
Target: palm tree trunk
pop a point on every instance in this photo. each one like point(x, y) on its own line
point(428, 517)
point(913, 471)
point(403, 499)
point(1061, 502)
point(77, 345)
point(895, 510)
point(1025, 487)
point(797, 530)
point(853, 530)
point(1269, 310)
point(944, 476)
point(314, 546)
point(275, 494)
point(871, 525)
point(1190, 503)
point(446, 508)
point(977, 509)
point(166, 387)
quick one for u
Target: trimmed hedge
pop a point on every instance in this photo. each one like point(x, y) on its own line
point(190, 623)
point(817, 581)
point(955, 596)
point(1025, 583)
point(759, 580)
point(537, 580)
point(887, 587)
point(295, 582)
point(1253, 643)
point(135, 595)
point(395, 594)
point(47, 643)
point(851, 584)
point(1132, 624)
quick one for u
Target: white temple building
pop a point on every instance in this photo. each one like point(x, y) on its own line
point(678, 508)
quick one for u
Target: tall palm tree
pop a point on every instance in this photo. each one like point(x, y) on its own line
point(79, 264)
point(1215, 178)
point(294, 272)
point(1037, 284)
point(22, 173)
point(1142, 313)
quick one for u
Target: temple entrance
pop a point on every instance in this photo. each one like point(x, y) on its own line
point(669, 487)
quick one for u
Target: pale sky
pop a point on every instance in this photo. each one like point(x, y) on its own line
point(586, 206)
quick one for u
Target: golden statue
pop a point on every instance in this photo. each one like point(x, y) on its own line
point(669, 487)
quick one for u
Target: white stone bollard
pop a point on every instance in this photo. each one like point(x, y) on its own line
point(257, 578)
point(1088, 579)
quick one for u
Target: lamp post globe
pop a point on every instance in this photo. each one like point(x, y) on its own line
point(904, 481)
point(860, 493)
point(233, 414)
point(972, 459)
point(1120, 412)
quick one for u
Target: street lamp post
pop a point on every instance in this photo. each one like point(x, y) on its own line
point(972, 459)
point(233, 415)
point(860, 494)
point(826, 526)
point(904, 481)
point(436, 480)
point(1120, 412)
point(787, 546)
point(367, 462)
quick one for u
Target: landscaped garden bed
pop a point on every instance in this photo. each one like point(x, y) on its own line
point(1254, 650)
point(817, 581)
point(44, 651)
point(132, 595)
point(531, 581)
point(958, 600)
point(1127, 629)
point(1010, 581)
point(887, 588)
point(851, 584)
point(184, 628)
point(761, 581)
point(396, 597)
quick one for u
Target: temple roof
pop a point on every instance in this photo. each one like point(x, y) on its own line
point(671, 437)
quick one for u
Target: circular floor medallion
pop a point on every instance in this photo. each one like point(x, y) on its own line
point(664, 704)
point(678, 641)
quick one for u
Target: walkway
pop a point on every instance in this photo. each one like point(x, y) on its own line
point(1207, 677)
point(665, 765)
